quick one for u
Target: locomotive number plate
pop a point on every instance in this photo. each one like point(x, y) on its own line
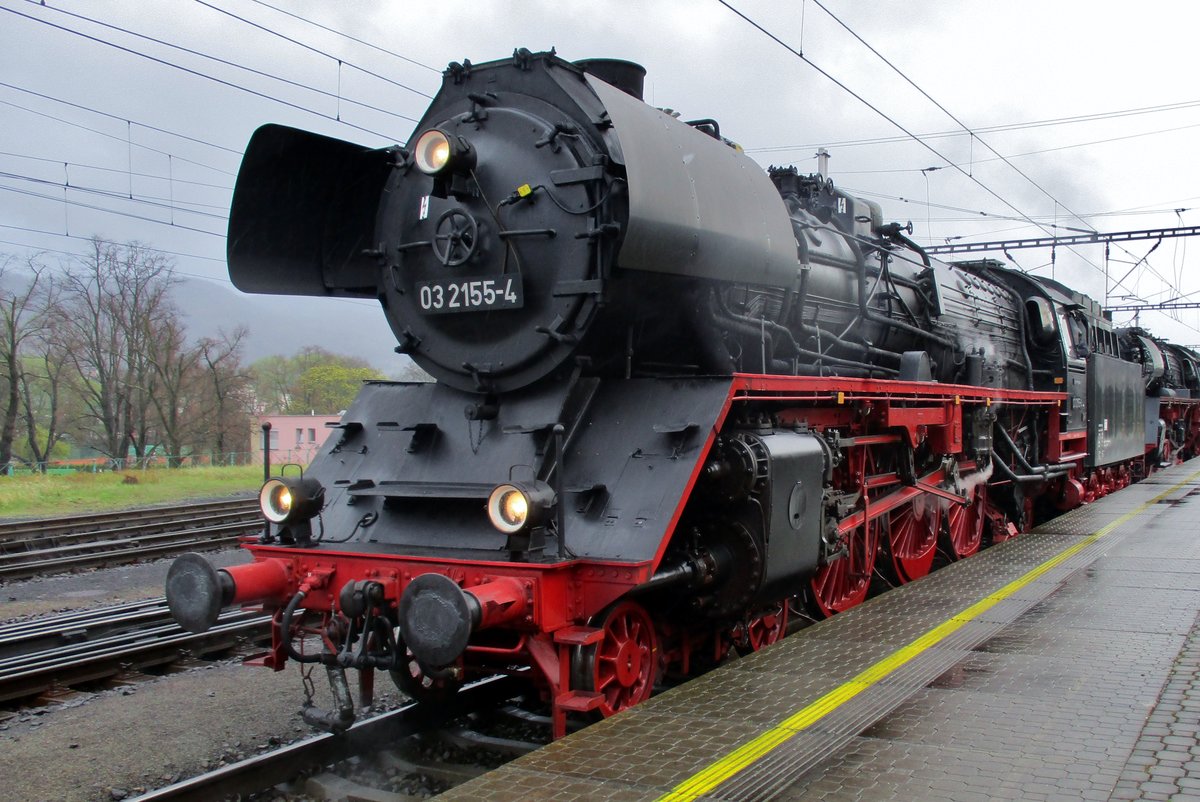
point(469, 295)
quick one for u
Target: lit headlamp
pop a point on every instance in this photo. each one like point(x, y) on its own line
point(439, 153)
point(517, 506)
point(289, 499)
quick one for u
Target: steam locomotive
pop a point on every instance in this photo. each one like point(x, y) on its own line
point(675, 395)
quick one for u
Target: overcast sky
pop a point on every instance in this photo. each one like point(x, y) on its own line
point(1092, 105)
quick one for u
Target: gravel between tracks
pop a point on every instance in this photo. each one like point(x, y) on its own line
point(123, 741)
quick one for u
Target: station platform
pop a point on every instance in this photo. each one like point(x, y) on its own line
point(1062, 664)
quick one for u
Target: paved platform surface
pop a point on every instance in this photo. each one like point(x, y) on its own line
point(1060, 665)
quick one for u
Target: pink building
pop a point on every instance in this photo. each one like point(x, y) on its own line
point(294, 438)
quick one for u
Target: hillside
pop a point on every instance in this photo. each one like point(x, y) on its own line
point(282, 324)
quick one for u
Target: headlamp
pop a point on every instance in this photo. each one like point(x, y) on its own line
point(438, 153)
point(516, 506)
point(288, 499)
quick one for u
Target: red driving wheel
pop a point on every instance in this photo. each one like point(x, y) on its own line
point(912, 536)
point(762, 629)
point(624, 665)
point(842, 583)
point(963, 532)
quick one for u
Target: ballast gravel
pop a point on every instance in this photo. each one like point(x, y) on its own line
point(124, 741)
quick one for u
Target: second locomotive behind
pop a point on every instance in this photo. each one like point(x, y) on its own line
point(673, 393)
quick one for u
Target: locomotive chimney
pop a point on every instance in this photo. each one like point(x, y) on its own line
point(823, 163)
point(630, 78)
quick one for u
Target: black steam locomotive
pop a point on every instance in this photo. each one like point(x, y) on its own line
point(674, 394)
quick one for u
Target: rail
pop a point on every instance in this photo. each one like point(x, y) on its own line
point(85, 647)
point(35, 548)
point(281, 765)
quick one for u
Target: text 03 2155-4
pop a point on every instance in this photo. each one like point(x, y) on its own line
point(469, 294)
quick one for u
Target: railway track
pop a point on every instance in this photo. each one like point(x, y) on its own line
point(312, 766)
point(42, 657)
point(57, 545)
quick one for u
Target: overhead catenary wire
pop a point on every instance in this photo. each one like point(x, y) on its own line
point(345, 35)
point(138, 123)
point(29, 230)
point(223, 281)
point(174, 270)
point(121, 139)
point(975, 137)
point(80, 204)
point(981, 216)
point(149, 200)
point(1040, 152)
point(227, 63)
point(1031, 219)
point(327, 28)
point(317, 51)
point(987, 129)
point(968, 174)
point(200, 74)
point(121, 170)
point(174, 203)
point(841, 85)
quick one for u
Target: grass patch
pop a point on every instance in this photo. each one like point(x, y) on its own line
point(80, 493)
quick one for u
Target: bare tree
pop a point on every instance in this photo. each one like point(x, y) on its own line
point(198, 399)
point(178, 375)
point(118, 303)
point(25, 303)
point(228, 384)
point(41, 399)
